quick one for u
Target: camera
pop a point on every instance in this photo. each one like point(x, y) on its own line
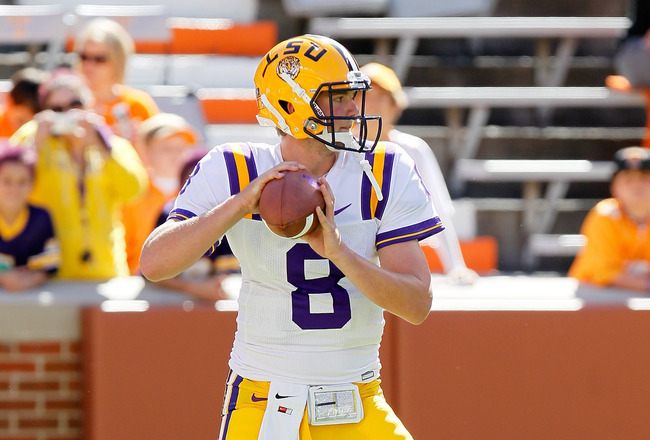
point(63, 123)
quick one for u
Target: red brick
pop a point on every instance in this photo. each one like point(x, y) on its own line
point(63, 366)
point(38, 422)
point(75, 347)
point(39, 385)
point(17, 438)
point(5, 348)
point(4, 423)
point(4, 386)
point(63, 404)
point(39, 347)
point(17, 366)
point(17, 404)
point(76, 385)
point(75, 423)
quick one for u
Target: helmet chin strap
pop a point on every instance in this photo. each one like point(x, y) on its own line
point(350, 141)
point(367, 169)
point(281, 122)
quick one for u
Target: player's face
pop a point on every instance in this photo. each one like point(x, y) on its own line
point(379, 102)
point(343, 104)
point(632, 187)
point(15, 184)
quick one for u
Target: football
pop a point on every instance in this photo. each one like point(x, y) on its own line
point(288, 205)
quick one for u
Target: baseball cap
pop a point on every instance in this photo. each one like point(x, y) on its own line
point(632, 158)
point(386, 78)
point(163, 125)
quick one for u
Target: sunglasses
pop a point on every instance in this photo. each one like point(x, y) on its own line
point(60, 108)
point(98, 59)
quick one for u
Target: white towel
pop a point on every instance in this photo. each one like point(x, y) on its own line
point(284, 411)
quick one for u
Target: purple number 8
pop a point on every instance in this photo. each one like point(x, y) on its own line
point(301, 313)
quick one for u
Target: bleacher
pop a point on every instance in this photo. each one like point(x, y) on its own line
point(502, 81)
point(514, 88)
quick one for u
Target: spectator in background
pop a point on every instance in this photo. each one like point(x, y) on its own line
point(29, 250)
point(205, 278)
point(163, 139)
point(104, 47)
point(388, 100)
point(617, 252)
point(22, 101)
point(84, 174)
point(632, 61)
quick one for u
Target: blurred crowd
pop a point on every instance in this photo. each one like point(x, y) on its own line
point(88, 166)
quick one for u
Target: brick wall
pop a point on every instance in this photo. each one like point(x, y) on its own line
point(40, 390)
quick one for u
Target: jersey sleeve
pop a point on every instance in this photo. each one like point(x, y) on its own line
point(202, 190)
point(409, 213)
point(223, 172)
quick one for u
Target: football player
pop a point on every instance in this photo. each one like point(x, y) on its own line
point(305, 358)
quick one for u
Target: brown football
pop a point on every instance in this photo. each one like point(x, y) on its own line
point(288, 205)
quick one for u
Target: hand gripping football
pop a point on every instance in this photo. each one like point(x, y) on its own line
point(288, 205)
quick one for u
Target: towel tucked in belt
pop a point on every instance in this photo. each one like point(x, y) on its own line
point(284, 411)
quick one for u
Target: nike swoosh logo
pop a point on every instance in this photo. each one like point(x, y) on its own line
point(340, 210)
point(279, 396)
point(254, 398)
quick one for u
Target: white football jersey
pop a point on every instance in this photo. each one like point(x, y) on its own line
point(300, 320)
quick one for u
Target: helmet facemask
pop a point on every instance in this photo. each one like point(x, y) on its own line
point(322, 126)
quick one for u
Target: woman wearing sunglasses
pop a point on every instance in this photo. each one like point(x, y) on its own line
point(84, 174)
point(103, 47)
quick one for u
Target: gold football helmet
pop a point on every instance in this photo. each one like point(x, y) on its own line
point(295, 72)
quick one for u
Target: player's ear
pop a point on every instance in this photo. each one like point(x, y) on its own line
point(290, 108)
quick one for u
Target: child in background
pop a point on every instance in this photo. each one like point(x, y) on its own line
point(162, 140)
point(22, 101)
point(29, 250)
point(617, 253)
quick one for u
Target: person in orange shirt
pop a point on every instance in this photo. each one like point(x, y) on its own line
point(22, 101)
point(104, 47)
point(163, 140)
point(617, 252)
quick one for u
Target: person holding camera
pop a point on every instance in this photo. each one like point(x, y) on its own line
point(84, 174)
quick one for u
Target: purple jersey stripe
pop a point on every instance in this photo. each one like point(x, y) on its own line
point(250, 161)
point(366, 191)
point(389, 159)
point(231, 167)
point(180, 214)
point(418, 231)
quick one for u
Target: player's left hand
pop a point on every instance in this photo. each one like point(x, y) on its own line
point(326, 240)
